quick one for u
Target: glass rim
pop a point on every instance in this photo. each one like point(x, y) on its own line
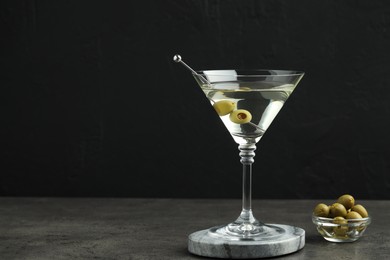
point(247, 72)
point(325, 219)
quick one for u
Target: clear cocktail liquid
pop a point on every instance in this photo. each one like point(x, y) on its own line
point(263, 100)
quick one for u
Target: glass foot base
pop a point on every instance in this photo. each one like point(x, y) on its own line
point(273, 240)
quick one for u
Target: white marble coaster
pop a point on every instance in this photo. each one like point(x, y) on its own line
point(205, 243)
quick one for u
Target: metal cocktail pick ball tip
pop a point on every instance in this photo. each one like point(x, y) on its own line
point(177, 58)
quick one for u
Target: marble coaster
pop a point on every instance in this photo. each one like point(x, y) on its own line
point(205, 243)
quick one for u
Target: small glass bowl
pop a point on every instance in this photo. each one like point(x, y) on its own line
point(349, 231)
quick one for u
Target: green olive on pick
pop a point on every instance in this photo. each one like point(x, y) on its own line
point(224, 107)
point(240, 116)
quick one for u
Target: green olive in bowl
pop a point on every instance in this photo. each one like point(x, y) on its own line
point(337, 210)
point(346, 200)
point(321, 210)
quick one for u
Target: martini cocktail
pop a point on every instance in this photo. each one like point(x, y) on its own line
point(247, 101)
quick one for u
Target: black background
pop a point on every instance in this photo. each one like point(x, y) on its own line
point(93, 105)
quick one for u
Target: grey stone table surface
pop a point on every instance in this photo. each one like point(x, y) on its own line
point(125, 228)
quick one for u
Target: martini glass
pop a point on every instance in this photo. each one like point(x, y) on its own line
point(247, 101)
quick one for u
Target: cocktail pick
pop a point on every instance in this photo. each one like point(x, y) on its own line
point(177, 58)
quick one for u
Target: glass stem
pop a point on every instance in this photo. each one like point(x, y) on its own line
point(247, 187)
point(247, 153)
